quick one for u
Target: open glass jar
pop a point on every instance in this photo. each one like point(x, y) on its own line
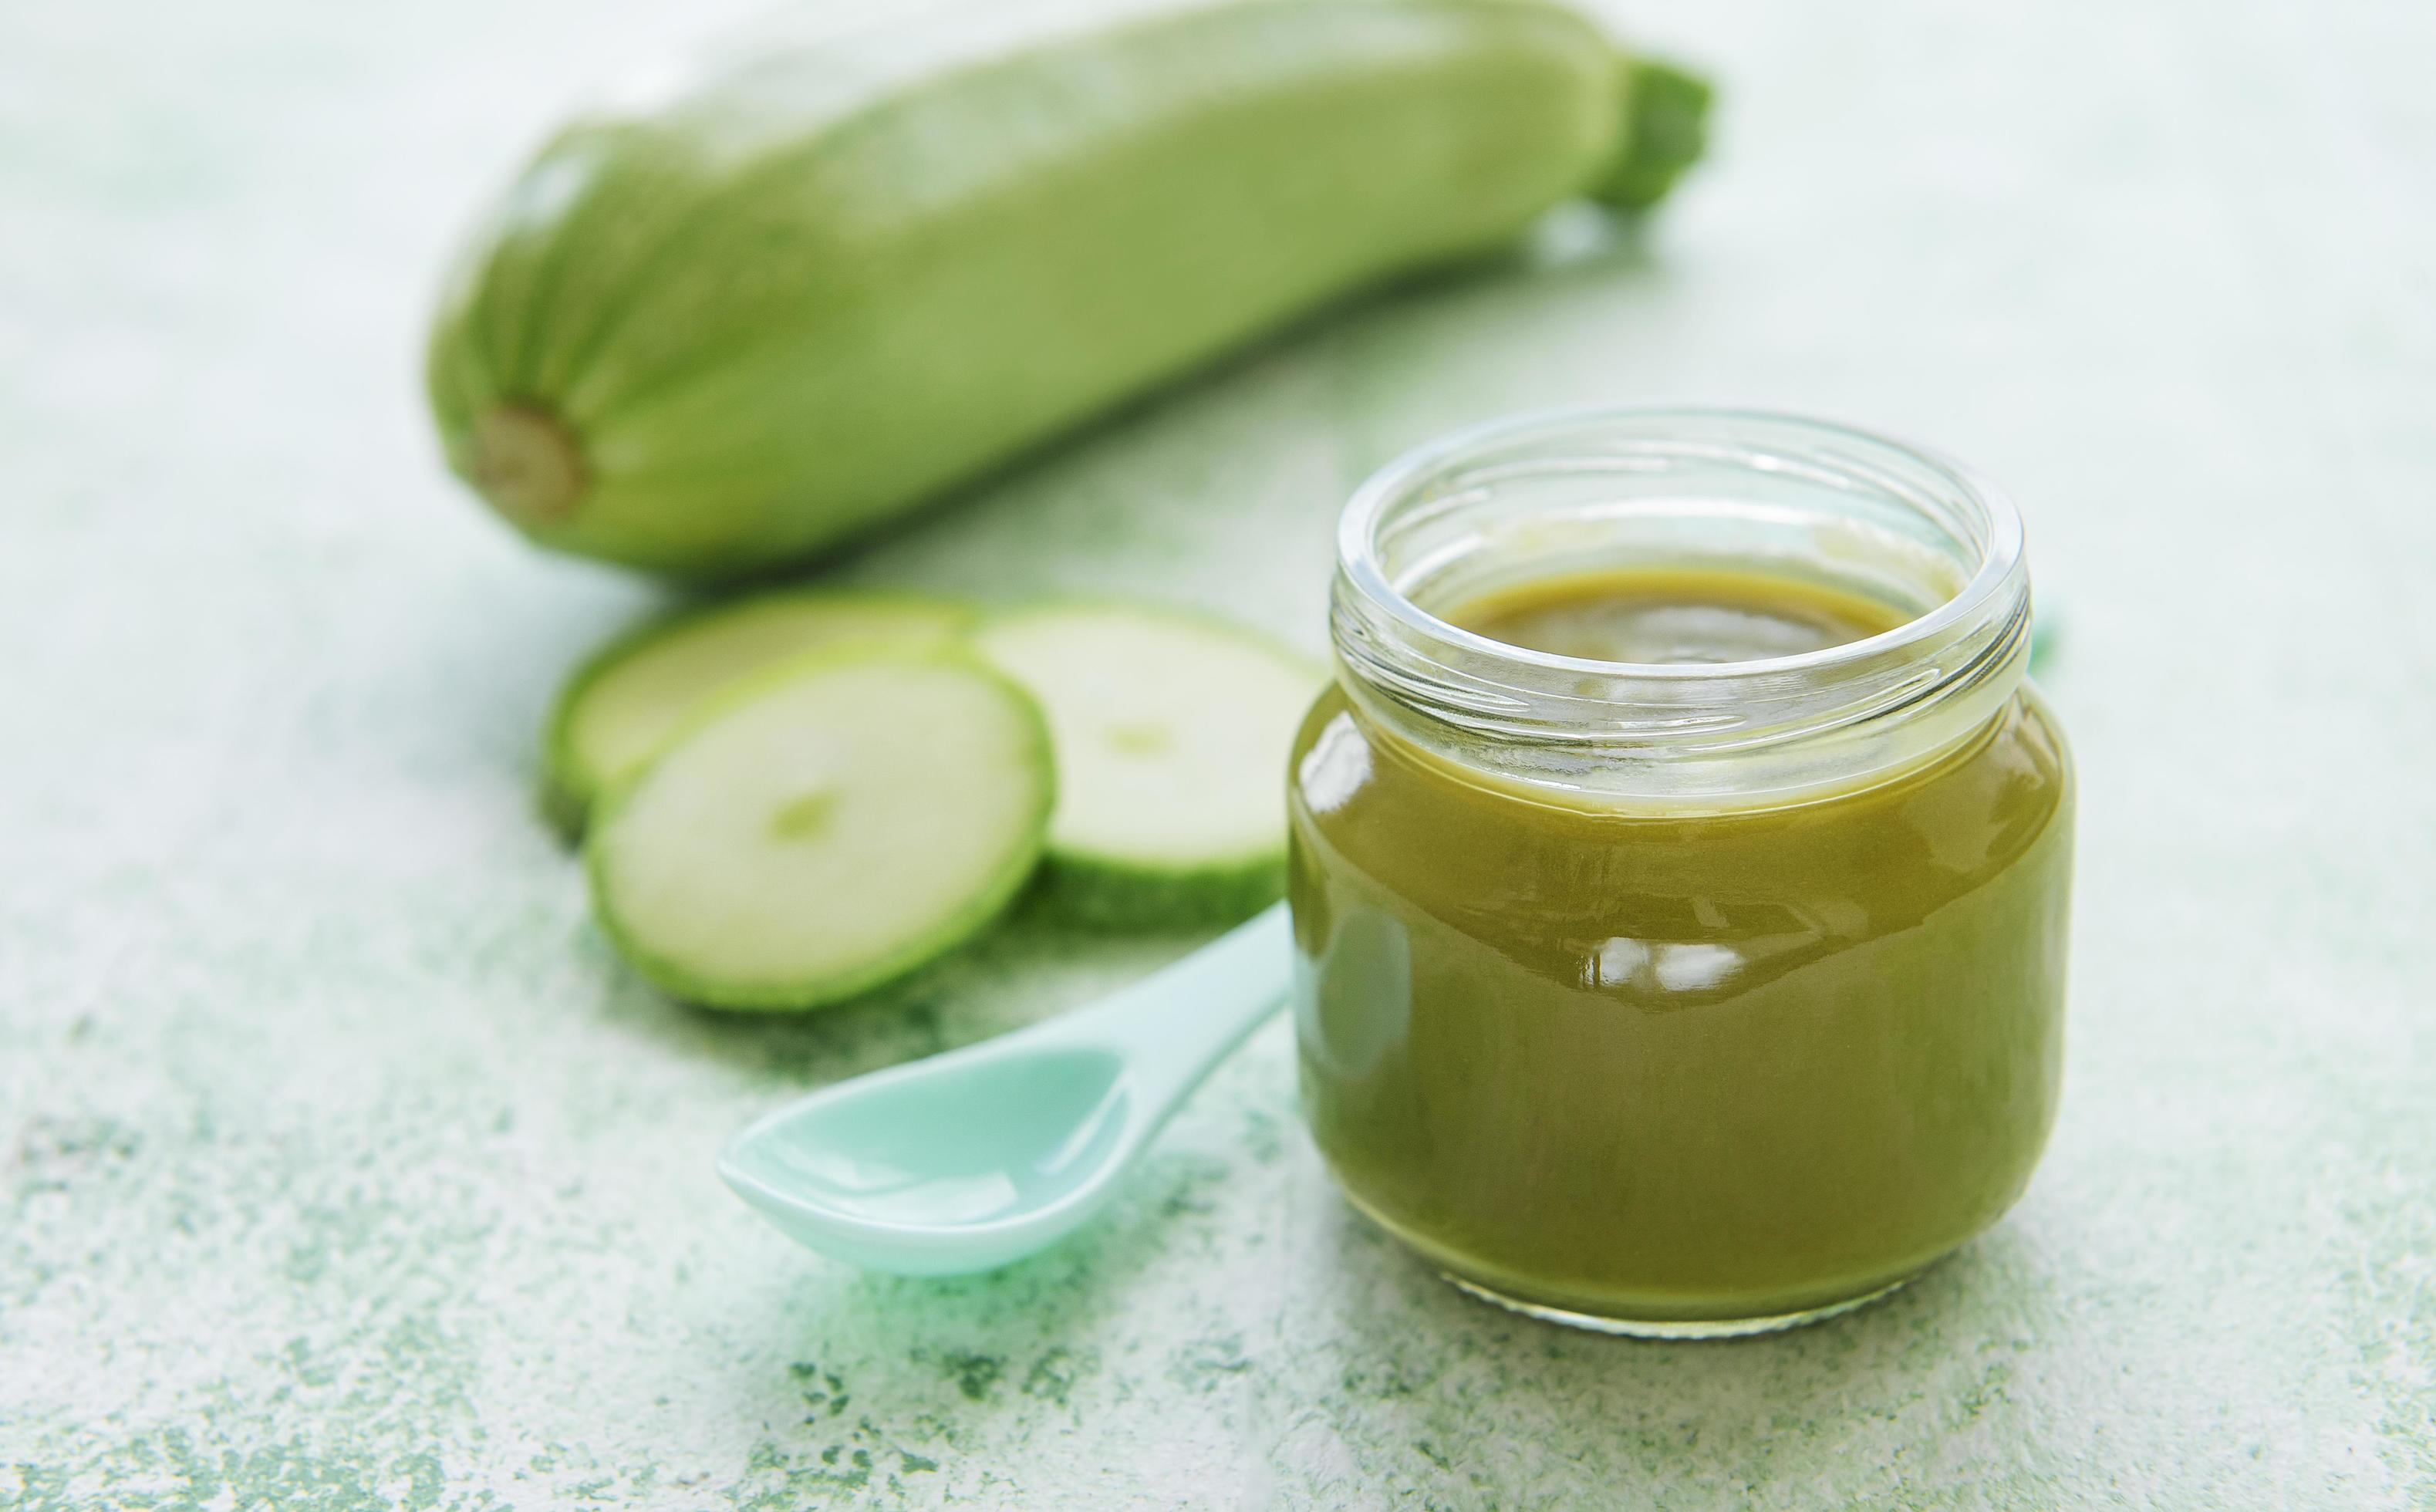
point(1681, 998)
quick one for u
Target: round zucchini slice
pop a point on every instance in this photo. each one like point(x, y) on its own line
point(1171, 732)
point(826, 826)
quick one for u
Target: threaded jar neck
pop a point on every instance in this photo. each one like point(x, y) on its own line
point(1576, 492)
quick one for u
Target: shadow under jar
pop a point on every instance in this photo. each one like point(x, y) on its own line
point(1710, 990)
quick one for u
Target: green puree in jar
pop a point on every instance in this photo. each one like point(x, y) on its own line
point(1675, 615)
point(1637, 1058)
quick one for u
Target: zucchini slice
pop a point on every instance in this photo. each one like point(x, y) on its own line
point(826, 826)
point(1171, 732)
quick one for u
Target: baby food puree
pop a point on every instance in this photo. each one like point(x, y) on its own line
point(1679, 1064)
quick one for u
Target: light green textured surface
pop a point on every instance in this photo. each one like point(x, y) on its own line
point(342, 1167)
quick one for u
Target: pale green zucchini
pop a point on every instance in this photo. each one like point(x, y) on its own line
point(833, 276)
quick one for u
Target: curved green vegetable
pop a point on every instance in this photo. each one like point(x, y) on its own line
point(831, 279)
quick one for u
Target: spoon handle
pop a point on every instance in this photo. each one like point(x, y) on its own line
point(1175, 1024)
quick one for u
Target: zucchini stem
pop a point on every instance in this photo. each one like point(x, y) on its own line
point(1666, 128)
point(527, 464)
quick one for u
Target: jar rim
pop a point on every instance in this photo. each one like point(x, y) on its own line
point(1358, 553)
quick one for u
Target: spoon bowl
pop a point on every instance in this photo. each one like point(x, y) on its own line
point(977, 1157)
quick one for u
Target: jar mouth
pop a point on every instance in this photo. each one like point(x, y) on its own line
point(1360, 557)
point(1567, 491)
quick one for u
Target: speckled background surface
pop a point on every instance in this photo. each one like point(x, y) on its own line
point(342, 1168)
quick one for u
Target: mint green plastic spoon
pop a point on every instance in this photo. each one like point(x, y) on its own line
point(970, 1160)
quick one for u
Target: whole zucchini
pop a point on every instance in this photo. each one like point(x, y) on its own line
point(833, 276)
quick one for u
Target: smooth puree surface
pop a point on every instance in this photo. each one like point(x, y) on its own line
point(1675, 615)
point(1673, 1065)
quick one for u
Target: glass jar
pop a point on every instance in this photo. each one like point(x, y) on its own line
point(1667, 999)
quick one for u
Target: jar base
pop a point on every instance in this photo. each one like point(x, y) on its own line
point(1671, 1327)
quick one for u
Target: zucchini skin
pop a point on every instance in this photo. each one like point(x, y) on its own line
point(828, 282)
